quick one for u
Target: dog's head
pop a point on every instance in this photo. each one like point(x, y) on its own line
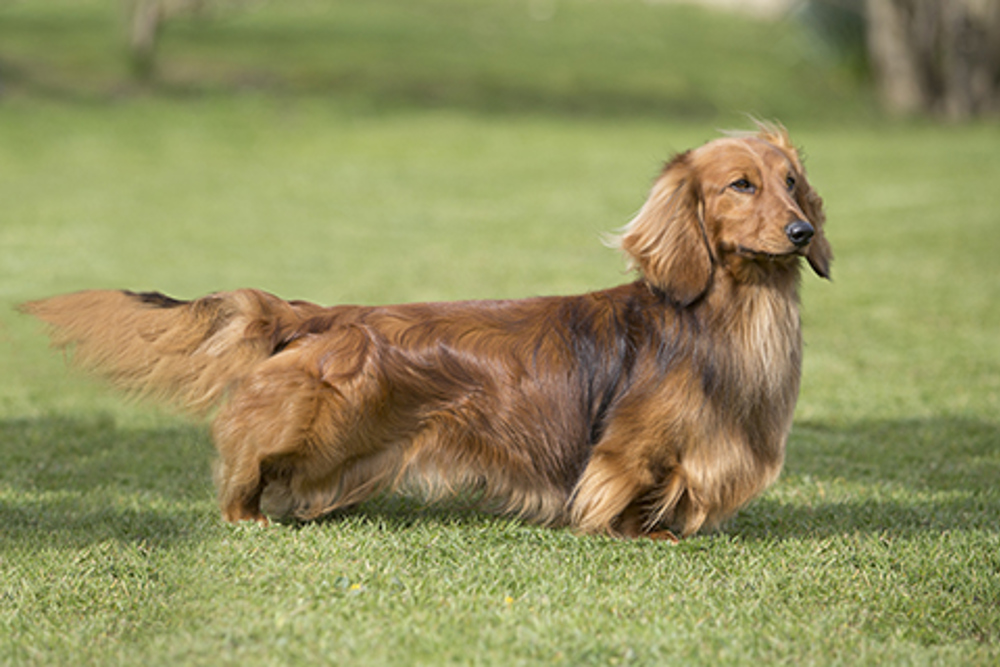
point(741, 204)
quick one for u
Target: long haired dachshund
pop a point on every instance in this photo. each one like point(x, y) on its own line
point(655, 408)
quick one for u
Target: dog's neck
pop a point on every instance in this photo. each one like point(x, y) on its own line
point(755, 327)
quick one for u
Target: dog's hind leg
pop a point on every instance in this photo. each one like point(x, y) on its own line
point(239, 492)
point(313, 423)
point(267, 424)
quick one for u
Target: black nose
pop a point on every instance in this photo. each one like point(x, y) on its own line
point(799, 232)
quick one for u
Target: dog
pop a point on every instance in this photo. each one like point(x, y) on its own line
point(656, 408)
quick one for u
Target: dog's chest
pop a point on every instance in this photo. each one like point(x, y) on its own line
point(764, 346)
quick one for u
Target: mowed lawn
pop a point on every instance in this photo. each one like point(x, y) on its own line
point(880, 544)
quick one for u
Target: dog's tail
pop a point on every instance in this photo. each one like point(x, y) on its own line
point(186, 353)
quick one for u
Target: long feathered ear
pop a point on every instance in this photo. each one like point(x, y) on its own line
point(666, 240)
point(819, 254)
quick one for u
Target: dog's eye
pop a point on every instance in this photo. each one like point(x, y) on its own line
point(743, 185)
point(790, 182)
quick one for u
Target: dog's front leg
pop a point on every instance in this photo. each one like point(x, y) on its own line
point(604, 500)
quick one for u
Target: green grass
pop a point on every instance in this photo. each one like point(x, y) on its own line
point(878, 545)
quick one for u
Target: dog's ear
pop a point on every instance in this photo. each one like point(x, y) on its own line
point(819, 254)
point(666, 241)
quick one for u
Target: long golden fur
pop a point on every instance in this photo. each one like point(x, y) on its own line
point(661, 405)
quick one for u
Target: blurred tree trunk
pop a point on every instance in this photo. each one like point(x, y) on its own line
point(144, 21)
point(937, 56)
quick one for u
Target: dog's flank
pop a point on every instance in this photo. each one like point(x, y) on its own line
point(663, 404)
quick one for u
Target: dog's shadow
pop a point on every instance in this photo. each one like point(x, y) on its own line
point(915, 476)
point(399, 512)
point(768, 519)
point(82, 481)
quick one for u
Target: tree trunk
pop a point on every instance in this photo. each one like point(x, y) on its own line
point(936, 56)
point(894, 59)
point(144, 18)
point(971, 57)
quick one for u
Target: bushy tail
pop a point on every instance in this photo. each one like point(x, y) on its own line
point(184, 352)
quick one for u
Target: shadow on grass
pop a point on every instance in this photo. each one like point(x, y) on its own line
point(768, 519)
point(80, 481)
point(935, 454)
point(898, 465)
point(67, 522)
point(395, 512)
